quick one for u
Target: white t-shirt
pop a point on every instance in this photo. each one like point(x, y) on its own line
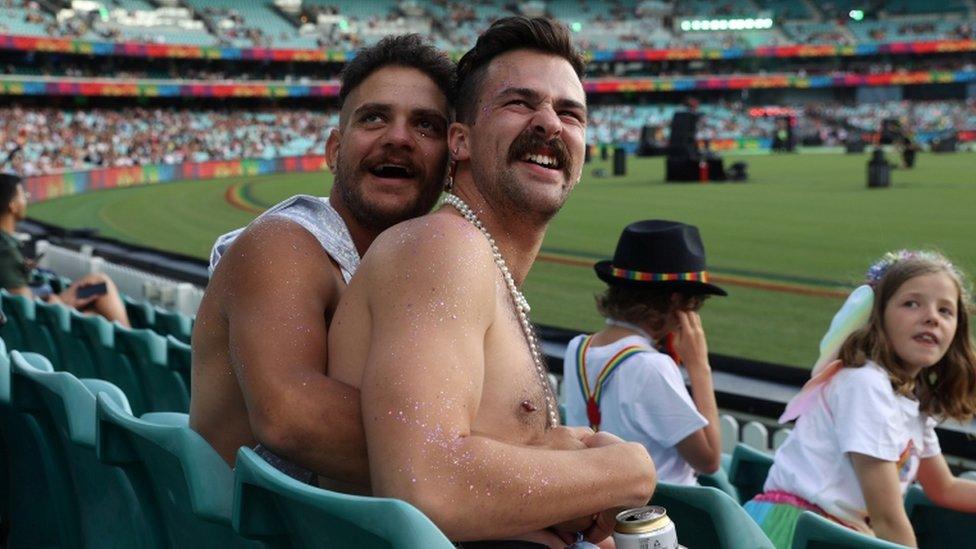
point(857, 411)
point(644, 401)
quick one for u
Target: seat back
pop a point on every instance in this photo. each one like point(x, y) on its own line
point(72, 354)
point(141, 313)
point(113, 366)
point(749, 470)
point(706, 517)
point(172, 323)
point(179, 358)
point(816, 532)
point(34, 336)
point(146, 351)
point(11, 331)
point(37, 520)
point(269, 504)
point(110, 512)
point(192, 485)
point(720, 479)
point(937, 526)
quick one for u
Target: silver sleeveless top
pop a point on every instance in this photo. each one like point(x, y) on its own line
point(317, 216)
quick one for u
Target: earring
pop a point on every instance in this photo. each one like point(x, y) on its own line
point(449, 181)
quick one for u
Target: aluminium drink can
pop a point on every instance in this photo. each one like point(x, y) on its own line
point(645, 528)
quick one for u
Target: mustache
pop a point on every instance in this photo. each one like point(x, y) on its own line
point(529, 142)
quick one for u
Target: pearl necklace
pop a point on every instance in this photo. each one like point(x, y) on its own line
point(521, 304)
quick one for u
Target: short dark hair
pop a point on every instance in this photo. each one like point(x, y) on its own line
point(505, 35)
point(406, 50)
point(639, 304)
point(8, 190)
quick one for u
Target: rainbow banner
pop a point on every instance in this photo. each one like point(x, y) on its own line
point(180, 51)
point(665, 84)
point(101, 87)
point(46, 187)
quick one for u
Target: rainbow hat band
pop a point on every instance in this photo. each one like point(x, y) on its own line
point(697, 276)
point(659, 252)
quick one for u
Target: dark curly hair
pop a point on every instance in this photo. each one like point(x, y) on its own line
point(505, 35)
point(406, 50)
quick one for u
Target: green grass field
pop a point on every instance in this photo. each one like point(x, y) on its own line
point(802, 228)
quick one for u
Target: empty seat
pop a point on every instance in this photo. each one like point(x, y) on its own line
point(40, 518)
point(141, 313)
point(815, 531)
point(110, 512)
point(98, 335)
point(72, 353)
point(193, 487)
point(33, 337)
point(748, 471)
point(935, 526)
point(172, 323)
point(146, 352)
point(706, 517)
point(179, 357)
point(10, 331)
point(270, 504)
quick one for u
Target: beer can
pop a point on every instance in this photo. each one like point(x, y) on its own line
point(645, 528)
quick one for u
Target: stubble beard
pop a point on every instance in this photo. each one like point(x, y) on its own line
point(515, 199)
point(348, 182)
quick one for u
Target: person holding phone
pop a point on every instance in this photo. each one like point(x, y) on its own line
point(94, 293)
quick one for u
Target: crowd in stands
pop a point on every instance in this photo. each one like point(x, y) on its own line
point(45, 140)
point(453, 24)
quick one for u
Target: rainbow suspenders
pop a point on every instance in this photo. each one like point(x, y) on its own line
point(592, 396)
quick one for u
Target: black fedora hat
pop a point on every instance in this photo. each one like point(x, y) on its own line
point(658, 252)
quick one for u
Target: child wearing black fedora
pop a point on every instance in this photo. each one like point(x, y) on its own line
point(625, 378)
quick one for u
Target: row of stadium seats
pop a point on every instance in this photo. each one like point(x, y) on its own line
point(153, 371)
point(86, 472)
point(103, 458)
point(455, 25)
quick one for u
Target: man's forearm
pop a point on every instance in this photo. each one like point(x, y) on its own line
point(474, 487)
point(321, 429)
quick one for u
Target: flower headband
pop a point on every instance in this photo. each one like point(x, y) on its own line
point(880, 267)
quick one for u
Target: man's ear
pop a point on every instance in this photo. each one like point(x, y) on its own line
point(332, 150)
point(457, 142)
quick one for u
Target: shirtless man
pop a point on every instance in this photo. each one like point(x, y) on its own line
point(453, 402)
point(259, 344)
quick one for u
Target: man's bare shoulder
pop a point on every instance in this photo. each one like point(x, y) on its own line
point(274, 255)
point(435, 245)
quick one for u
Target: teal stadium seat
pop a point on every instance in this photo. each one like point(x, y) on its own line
point(180, 358)
point(720, 479)
point(748, 471)
point(45, 514)
point(10, 331)
point(34, 337)
point(113, 366)
point(271, 505)
point(172, 323)
point(193, 487)
point(937, 527)
point(708, 518)
point(146, 352)
point(141, 313)
point(72, 354)
point(816, 532)
point(110, 511)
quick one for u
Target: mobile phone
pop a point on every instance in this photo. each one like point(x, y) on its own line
point(91, 290)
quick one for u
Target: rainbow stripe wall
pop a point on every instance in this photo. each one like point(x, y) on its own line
point(46, 187)
point(83, 47)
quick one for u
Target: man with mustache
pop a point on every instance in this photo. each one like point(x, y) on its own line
point(459, 415)
point(259, 342)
